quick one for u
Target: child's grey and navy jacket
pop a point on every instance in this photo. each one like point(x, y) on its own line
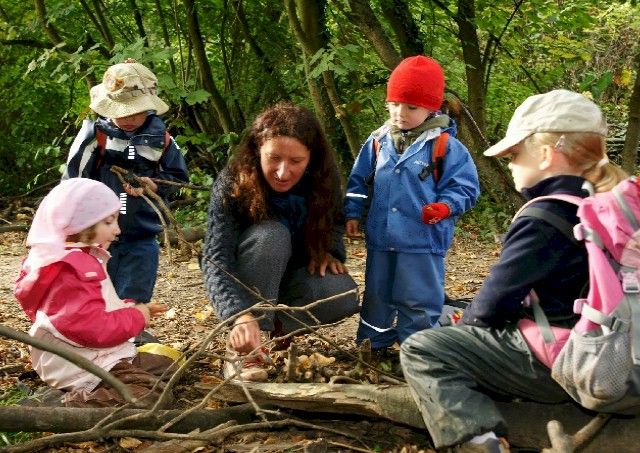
point(394, 221)
point(143, 153)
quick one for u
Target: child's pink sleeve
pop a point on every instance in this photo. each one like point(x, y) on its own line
point(76, 308)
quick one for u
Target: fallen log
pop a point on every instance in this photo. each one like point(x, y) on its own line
point(13, 228)
point(527, 421)
point(67, 419)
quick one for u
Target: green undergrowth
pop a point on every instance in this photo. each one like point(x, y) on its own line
point(485, 222)
point(10, 397)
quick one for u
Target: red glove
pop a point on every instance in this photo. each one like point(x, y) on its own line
point(435, 212)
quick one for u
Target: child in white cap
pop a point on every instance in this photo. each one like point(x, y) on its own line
point(415, 203)
point(64, 289)
point(130, 134)
point(556, 145)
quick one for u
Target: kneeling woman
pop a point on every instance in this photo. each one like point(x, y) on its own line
point(275, 226)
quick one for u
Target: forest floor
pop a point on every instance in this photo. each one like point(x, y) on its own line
point(191, 319)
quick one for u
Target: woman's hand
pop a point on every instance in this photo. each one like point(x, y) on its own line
point(352, 228)
point(245, 334)
point(334, 265)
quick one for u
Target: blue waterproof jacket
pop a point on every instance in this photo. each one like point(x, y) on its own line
point(142, 152)
point(394, 221)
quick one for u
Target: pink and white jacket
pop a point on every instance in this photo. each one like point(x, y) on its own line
point(72, 304)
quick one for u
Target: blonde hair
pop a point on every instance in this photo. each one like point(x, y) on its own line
point(85, 235)
point(586, 151)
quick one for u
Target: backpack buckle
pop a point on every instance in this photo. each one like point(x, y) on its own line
point(630, 283)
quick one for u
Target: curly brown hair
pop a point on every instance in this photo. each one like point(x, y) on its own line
point(320, 183)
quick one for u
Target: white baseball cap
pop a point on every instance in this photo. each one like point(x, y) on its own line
point(556, 111)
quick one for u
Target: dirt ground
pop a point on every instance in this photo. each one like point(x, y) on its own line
point(191, 319)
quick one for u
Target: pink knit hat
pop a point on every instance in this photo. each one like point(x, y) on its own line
point(417, 81)
point(71, 207)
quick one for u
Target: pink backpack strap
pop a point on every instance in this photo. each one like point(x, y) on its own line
point(573, 199)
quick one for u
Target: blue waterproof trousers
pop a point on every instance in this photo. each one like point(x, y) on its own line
point(133, 268)
point(404, 293)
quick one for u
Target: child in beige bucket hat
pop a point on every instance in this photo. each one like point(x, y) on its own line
point(127, 89)
point(130, 134)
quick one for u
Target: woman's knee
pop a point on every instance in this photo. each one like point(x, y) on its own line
point(267, 241)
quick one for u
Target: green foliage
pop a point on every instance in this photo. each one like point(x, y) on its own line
point(255, 59)
point(484, 222)
point(195, 214)
point(9, 398)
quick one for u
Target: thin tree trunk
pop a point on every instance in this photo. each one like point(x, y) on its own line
point(103, 27)
point(266, 63)
point(96, 23)
point(366, 20)
point(474, 67)
point(165, 34)
point(138, 19)
point(630, 150)
point(405, 28)
point(217, 101)
point(306, 18)
point(237, 113)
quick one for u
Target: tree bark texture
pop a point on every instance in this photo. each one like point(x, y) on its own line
point(66, 419)
point(474, 66)
point(527, 421)
point(221, 112)
point(404, 26)
point(364, 17)
point(630, 150)
point(306, 18)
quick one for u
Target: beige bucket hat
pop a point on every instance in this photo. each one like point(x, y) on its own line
point(555, 111)
point(127, 89)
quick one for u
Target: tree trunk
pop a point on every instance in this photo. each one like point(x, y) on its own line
point(165, 34)
point(364, 17)
point(306, 18)
point(221, 112)
point(474, 66)
point(495, 181)
point(405, 28)
point(527, 421)
point(106, 36)
point(265, 62)
point(630, 150)
point(55, 38)
point(138, 19)
point(103, 27)
point(67, 419)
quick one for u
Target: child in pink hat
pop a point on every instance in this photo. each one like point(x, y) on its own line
point(414, 201)
point(64, 289)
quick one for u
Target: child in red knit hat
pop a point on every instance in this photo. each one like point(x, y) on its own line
point(413, 204)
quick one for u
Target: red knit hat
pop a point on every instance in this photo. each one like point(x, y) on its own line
point(417, 81)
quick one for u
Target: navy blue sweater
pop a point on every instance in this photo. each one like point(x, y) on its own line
point(535, 255)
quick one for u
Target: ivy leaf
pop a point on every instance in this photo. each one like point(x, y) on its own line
point(196, 97)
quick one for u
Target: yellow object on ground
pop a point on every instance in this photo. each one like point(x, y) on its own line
point(162, 349)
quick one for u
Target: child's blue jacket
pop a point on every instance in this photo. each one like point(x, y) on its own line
point(394, 221)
